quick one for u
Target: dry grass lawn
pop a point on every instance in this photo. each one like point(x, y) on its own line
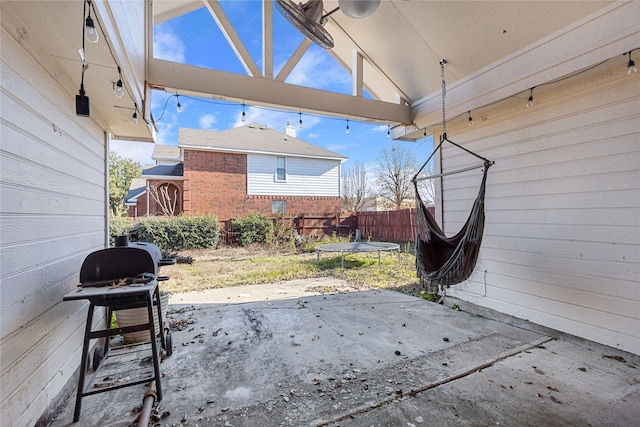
point(234, 266)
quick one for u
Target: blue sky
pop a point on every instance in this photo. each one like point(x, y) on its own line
point(195, 39)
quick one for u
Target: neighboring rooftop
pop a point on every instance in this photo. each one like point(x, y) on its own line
point(253, 138)
point(165, 171)
point(136, 189)
point(166, 152)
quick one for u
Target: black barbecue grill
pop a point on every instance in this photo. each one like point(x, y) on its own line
point(119, 278)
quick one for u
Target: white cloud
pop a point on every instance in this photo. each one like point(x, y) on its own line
point(336, 147)
point(318, 70)
point(207, 121)
point(135, 150)
point(167, 45)
point(380, 129)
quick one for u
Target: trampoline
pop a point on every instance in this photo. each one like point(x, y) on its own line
point(352, 247)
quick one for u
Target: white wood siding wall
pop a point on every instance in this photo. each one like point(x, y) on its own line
point(305, 177)
point(562, 240)
point(53, 205)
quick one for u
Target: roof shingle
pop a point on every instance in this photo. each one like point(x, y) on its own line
point(253, 138)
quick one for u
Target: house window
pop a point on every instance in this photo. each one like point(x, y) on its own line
point(279, 207)
point(281, 169)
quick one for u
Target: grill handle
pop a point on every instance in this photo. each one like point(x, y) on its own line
point(166, 261)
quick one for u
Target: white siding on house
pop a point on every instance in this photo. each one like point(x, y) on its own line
point(562, 239)
point(53, 207)
point(305, 176)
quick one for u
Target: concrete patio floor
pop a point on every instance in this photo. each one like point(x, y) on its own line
point(290, 354)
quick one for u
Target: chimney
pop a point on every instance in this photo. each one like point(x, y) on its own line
point(290, 130)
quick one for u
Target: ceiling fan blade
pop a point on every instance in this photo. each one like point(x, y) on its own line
point(307, 19)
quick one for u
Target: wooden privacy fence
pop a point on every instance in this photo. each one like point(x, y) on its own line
point(388, 226)
point(344, 224)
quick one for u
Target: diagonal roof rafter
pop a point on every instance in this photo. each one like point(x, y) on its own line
point(232, 37)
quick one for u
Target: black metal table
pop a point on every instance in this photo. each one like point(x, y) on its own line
point(118, 298)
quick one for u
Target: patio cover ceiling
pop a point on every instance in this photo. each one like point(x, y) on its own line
point(393, 54)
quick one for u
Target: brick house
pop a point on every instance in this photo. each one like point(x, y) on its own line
point(159, 190)
point(246, 169)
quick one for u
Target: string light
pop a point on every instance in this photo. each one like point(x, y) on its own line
point(178, 105)
point(90, 31)
point(470, 119)
point(134, 117)
point(82, 100)
point(300, 119)
point(244, 116)
point(388, 131)
point(118, 88)
point(530, 100)
point(347, 128)
point(631, 66)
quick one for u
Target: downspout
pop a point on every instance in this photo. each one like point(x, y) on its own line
point(147, 184)
point(107, 144)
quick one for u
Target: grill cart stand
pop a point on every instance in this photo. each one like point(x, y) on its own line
point(118, 298)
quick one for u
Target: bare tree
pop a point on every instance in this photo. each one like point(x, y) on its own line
point(163, 197)
point(394, 170)
point(354, 187)
point(427, 186)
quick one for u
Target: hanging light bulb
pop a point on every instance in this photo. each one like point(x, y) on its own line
point(244, 115)
point(470, 119)
point(134, 117)
point(388, 131)
point(631, 66)
point(118, 88)
point(178, 105)
point(530, 100)
point(90, 31)
point(300, 120)
point(346, 130)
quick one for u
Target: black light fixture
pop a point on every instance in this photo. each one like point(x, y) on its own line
point(530, 100)
point(388, 131)
point(300, 119)
point(244, 115)
point(346, 130)
point(82, 100)
point(118, 88)
point(631, 66)
point(178, 105)
point(90, 31)
point(470, 119)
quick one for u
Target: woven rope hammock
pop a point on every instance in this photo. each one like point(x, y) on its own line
point(442, 261)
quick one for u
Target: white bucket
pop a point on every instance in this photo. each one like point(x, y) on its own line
point(137, 316)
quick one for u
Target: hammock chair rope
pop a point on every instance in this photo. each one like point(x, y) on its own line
point(442, 261)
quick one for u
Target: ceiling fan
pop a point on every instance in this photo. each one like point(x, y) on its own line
point(308, 18)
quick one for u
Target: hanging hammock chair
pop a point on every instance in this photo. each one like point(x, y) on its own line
point(443, 261)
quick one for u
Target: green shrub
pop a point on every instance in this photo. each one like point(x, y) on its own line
point(253, 228)
point(119, 226)
point(178, 233)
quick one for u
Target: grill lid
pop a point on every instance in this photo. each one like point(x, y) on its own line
point(122, 261)
point(116, 263)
